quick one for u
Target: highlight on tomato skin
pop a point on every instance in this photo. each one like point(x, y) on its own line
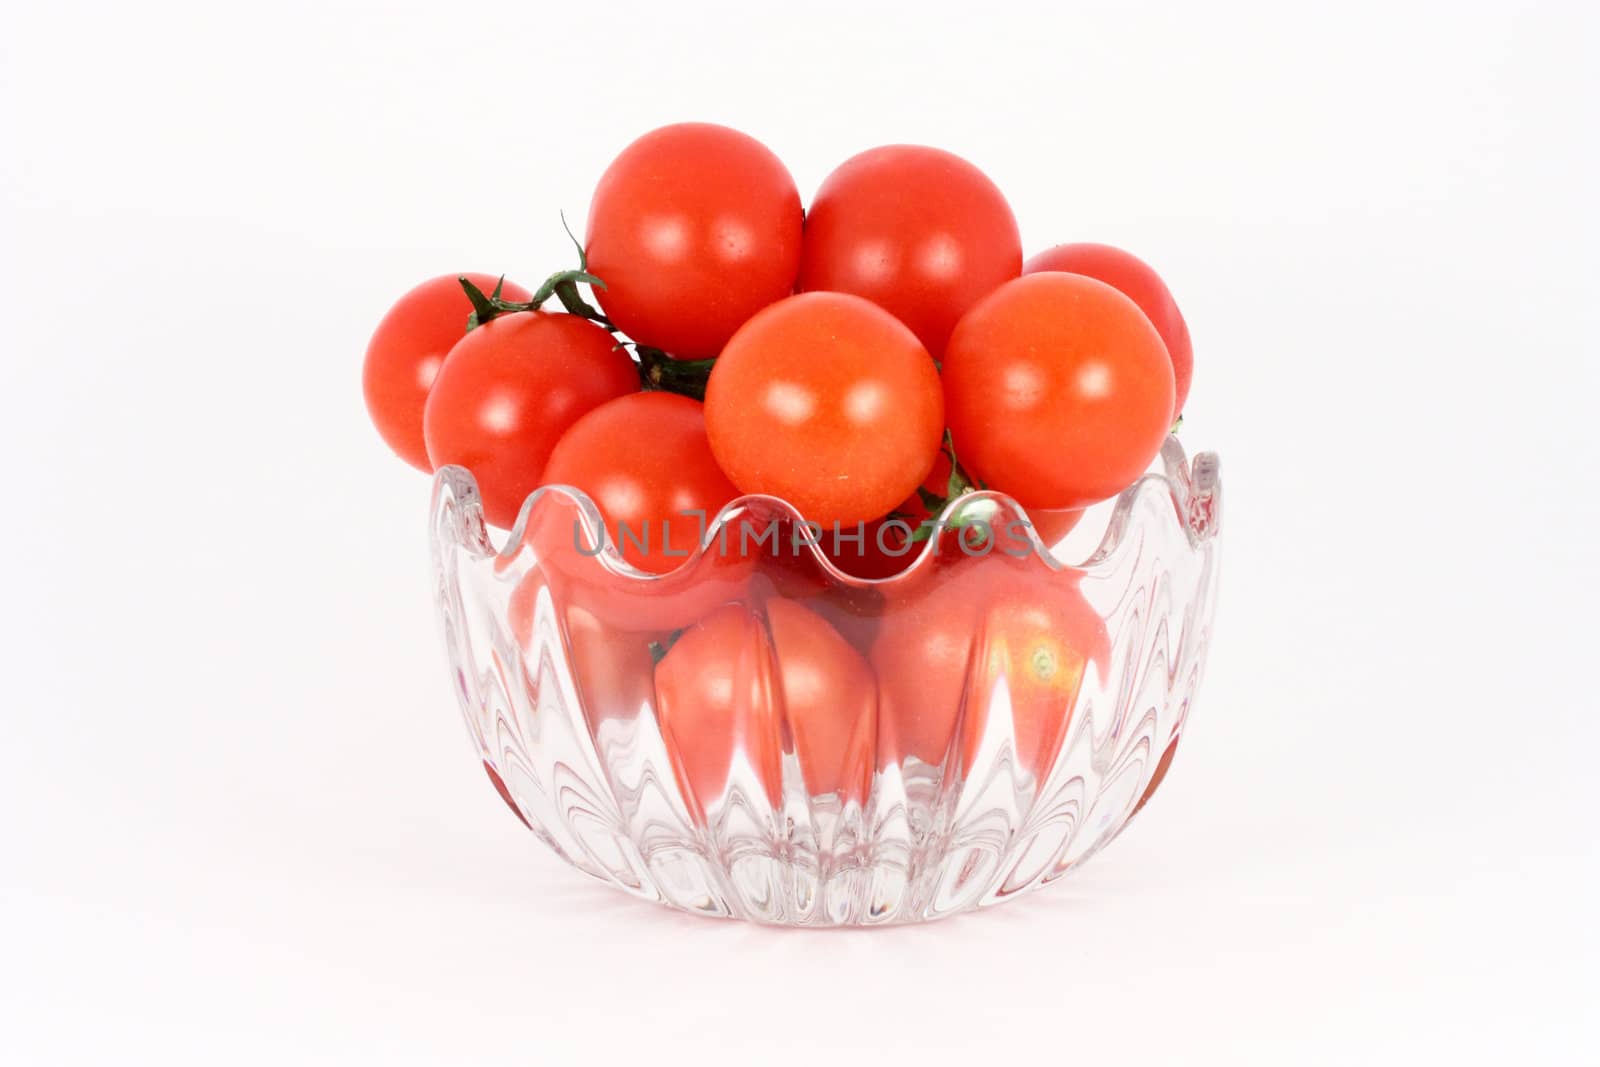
point(729, 684)
point(1137, 280)
point(507, 392)
point(694, 227)
point(408, 348)
point(919, 231)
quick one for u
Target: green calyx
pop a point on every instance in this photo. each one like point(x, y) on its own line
point(959, 484)
point(658, 371)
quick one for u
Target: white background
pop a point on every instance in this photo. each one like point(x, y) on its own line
point(241, 822)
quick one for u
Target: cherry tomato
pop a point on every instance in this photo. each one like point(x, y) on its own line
point(829, 402)
point(829, 698)
point(507, 392)
point(915, 230)
point(1135, 279)
point(727, 685)
point(939, 655)
point(693, 228)
point(1059, 390)
point(645, 462)
point(405, 354)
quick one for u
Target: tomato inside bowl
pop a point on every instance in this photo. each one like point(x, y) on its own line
point(760, 734)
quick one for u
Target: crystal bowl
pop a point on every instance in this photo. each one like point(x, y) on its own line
point(972, 729)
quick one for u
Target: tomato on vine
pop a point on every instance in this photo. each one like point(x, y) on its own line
point(694, 228)
point(408, 348)
point(507, 392)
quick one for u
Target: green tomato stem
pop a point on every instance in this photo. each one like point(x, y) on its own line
point(659, 371)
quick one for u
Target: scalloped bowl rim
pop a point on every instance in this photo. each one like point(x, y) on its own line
point(1184, 485)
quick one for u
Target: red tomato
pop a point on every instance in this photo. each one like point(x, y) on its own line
point(645, 462)
point(915, 230)
point(1134, 278)
point(508, 391)
point(827, 401)
point(729, 683)
point(405, 354)
point(830, 700)
point(938, 656)
point(1059, 390)
point(693, 228)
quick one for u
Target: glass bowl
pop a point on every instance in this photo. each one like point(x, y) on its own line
point(759, 735)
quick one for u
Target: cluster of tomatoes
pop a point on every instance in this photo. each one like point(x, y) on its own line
point(866, 361)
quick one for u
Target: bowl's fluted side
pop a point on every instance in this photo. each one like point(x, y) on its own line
point(548, 650)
